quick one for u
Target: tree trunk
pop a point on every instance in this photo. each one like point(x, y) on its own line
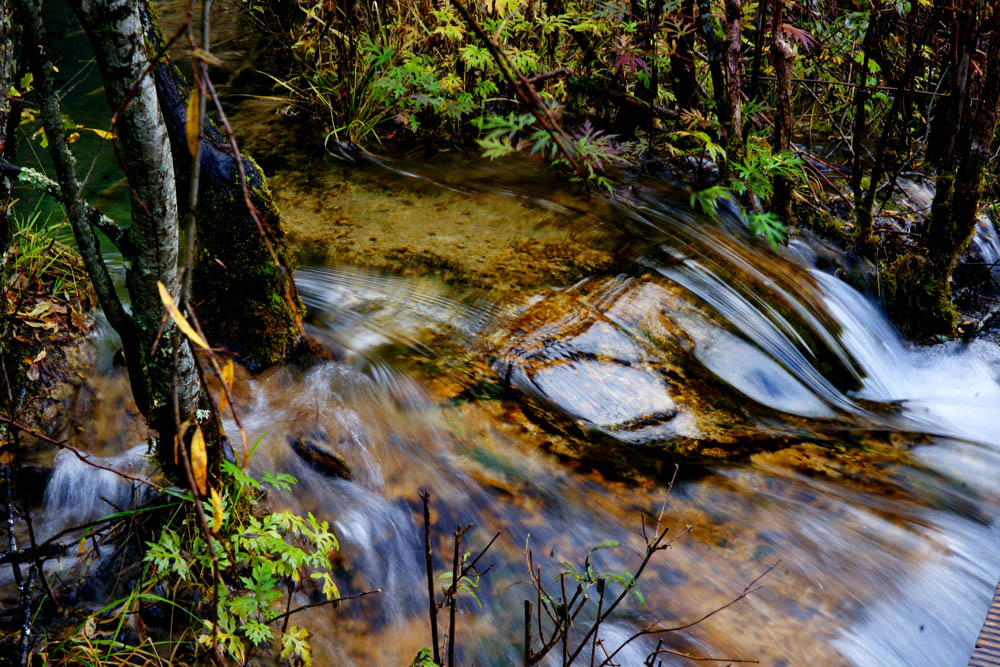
point(9, 48)
point(117, 38)
point(165, 382)
point(758, 47)
point(954, 212)
point(246, 301)
point(955, 209)
point(714, 66)
point(781, 59)
point(734, 87)
point(682, 60)
point(950, 107)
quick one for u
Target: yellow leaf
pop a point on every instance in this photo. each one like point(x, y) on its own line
point(193, 123)
point(216, 512)
point(182, 324)
point(227, 373)
point(199, 461)
point(103, 134)
point(227, 378)
point(208, 58)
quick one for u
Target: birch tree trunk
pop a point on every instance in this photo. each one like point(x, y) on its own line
point(117, 37)
point(9, 47)
point(243, 287)
point(165, 381)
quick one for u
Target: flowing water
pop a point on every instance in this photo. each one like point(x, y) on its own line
point(540, 361)
point(809, 437)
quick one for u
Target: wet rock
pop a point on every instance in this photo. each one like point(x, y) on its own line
point(320, 457)
point(638, 359)
point(596, 365)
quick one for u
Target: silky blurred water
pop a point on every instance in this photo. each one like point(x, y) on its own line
point(891, 561)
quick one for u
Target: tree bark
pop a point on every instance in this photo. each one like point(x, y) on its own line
point(714, 65)
point(117, 37)
point(9, 48)
point(734, 86)
point(65, 165)
point(758, 42)
point(955, 209)
point(781, 59)
point(682, 60)
point(950, 107)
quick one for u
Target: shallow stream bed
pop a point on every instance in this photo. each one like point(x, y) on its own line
point(547, 394)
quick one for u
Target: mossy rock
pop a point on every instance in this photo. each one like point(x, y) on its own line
point(918, 298)
point(825, 225)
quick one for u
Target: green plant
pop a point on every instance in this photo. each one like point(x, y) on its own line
point(589, 576)
point(259, 555)
point(262, 558)
point(468, 580)
point(760, 166)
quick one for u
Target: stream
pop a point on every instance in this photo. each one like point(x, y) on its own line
point(808, 437)
point(540, 361)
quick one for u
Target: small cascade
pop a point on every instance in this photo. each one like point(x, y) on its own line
point(79, 491)
point(985, 247)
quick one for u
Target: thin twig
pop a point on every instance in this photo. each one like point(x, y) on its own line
point(80, 455)
point(425, 496)
point(652, 630)
point(698, 658)
point(320, 604)
point(527, 634)
point(453, 592)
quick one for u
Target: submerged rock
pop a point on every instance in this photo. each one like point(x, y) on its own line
point(320, 457)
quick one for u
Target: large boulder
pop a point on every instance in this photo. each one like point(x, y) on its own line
point(636, 359)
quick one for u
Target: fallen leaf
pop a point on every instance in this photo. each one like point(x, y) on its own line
point(227, 379)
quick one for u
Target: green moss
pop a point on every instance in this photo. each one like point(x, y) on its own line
point(824, 224)
point(918, 297)
point(240, 291)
